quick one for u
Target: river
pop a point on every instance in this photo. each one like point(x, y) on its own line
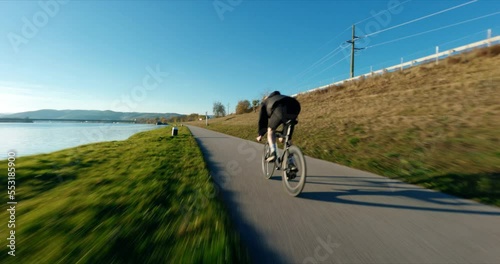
point(45, 137)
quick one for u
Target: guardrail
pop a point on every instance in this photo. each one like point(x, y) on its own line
point(435, 57)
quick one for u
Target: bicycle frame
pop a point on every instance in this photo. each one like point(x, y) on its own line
point(294, 177)
point(287, 144)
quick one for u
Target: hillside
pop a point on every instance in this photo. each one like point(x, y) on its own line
point(433, 125)
point(87, 114)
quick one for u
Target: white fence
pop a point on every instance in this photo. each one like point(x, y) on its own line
point(435, 57)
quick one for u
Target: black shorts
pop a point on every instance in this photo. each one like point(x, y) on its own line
point(284, 111)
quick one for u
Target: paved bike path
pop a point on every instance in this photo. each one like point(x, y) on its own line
point(345, 215)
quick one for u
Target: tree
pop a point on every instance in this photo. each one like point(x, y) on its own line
point(193, 117)
point(219, 109)
point(255, 103)
point(243, 107)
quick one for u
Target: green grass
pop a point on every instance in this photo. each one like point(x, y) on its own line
point(148, 199)
point(432, 125)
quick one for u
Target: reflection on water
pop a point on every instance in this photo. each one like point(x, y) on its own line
point(35, 138)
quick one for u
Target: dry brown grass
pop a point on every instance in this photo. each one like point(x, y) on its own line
point(420, 124)
point(488, 52)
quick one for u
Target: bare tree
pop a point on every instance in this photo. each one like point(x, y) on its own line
point(255, 104)
point(219, 109)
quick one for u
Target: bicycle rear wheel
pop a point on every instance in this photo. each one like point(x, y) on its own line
point(267, 167)
point(294, 180)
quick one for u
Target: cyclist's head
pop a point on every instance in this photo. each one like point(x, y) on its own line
point(274, 93)
point(271, 94)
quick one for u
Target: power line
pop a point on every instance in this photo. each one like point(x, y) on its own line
point(380, 12)
point(420, 18)
point(327, 56)
point(426, 51)
point(318, 62)
point(333, 55)
point(340, 77)
point(337, 50)
point(468, 36)
point(318, 73)
point(329, 66)
point(321, 60)
point(432, 30)
point(328, 42)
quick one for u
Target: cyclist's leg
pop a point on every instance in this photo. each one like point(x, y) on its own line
point(271, 138)
point(275, 121)
point(291, 161)
point(291, 127)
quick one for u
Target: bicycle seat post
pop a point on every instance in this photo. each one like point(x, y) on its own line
point(290, 123)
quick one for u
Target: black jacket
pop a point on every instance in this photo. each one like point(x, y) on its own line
point(266, 109)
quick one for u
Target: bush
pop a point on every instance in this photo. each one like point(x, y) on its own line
point(454, 60)
point(354, 141)
point(243, 107)
point(495, 50)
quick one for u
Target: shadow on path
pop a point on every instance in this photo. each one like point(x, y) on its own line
point(250, 237)
point(421, 195)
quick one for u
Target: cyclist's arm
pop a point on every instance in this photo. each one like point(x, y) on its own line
point(263, 120)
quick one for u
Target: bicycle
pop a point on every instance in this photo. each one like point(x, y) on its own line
point(293, 180)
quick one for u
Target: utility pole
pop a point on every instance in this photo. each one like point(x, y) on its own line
point(353, 48)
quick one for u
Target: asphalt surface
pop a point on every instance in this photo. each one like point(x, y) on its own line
point(345, 215)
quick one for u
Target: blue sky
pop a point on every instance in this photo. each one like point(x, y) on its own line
point(182, 56)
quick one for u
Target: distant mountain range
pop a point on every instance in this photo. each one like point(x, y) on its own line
point(86, 114)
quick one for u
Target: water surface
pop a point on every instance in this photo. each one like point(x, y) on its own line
point(44, 137)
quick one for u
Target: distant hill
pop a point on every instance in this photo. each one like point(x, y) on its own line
point(87, 114)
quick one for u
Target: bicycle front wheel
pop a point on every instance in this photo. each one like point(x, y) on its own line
point(267, 167)
point(294, 172)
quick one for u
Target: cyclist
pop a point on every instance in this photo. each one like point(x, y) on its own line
point(276, 109)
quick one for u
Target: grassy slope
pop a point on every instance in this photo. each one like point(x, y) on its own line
point(148, 199)
point(433, 125)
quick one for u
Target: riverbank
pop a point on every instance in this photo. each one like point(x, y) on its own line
point(148, 199)
point(15, 120)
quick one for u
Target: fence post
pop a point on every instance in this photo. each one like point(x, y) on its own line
point(437, 57)
point(489, 37)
